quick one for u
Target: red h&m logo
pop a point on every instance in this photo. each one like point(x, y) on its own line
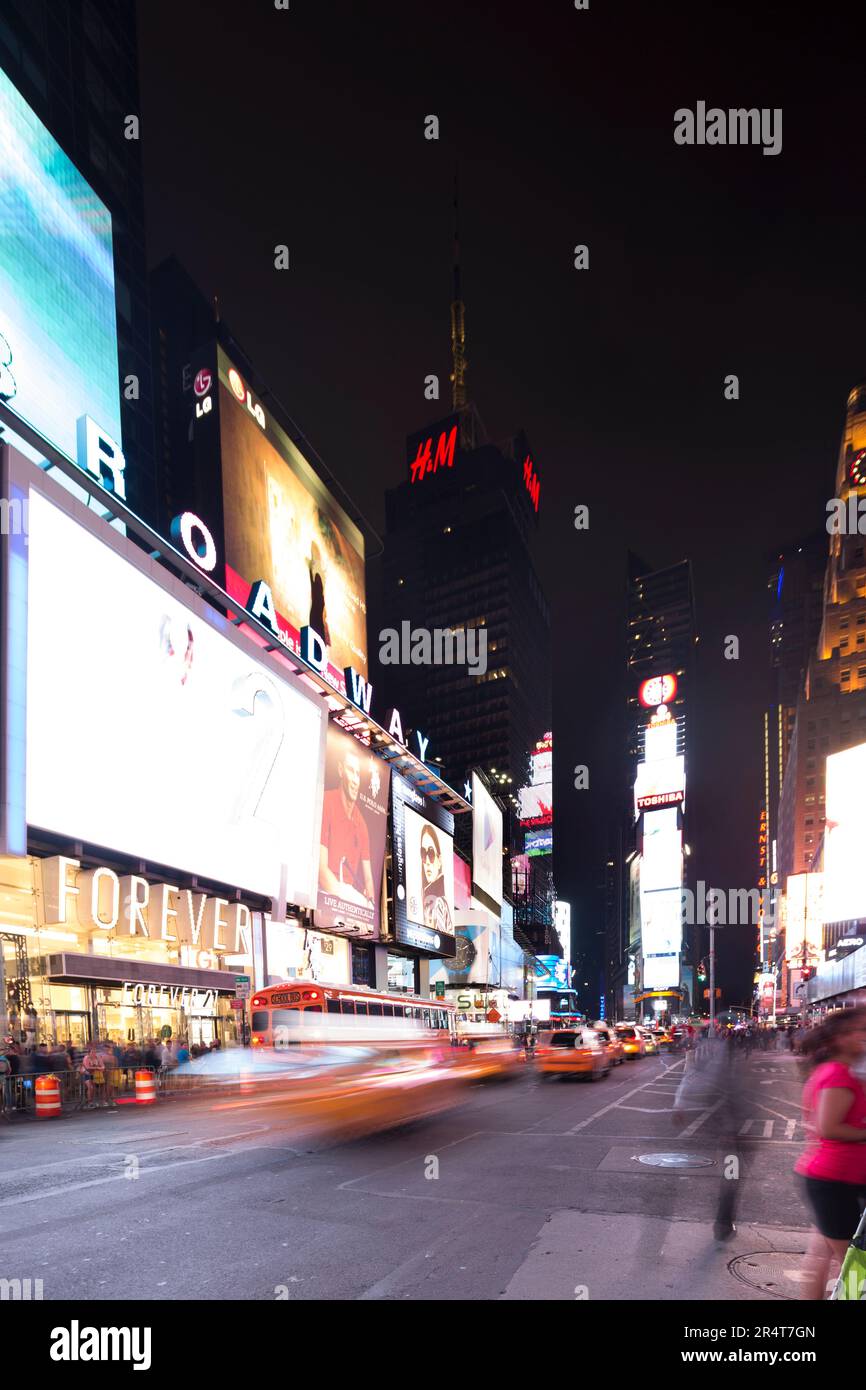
point(426, 461)
point(530, 479)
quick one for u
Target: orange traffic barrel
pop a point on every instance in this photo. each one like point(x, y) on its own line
point(145, 1088)
point(47, 1097)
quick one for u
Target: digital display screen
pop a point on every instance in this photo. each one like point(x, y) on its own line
point(151, 733)
point(486, 845)
point(352, 842)
point(422, 857)
point(58, 324)
point(283, 526)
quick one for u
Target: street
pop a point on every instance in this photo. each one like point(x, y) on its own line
point(541, 1194)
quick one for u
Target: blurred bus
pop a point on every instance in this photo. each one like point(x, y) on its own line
point(304, 1008)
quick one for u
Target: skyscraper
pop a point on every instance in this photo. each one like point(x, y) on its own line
point(661, 638)
point(831, 707)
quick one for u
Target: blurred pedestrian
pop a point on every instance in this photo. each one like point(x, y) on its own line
point(714, 1084)
point(833, 1165)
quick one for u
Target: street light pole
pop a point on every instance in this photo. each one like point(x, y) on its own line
point(712, 978)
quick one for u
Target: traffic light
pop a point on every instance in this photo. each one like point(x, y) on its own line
point(807, 972)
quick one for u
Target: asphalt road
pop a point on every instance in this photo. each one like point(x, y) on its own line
point(541, 1194)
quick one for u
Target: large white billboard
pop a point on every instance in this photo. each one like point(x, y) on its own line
point(662, 859)
point(659, 783)
point(661, 938)
point(844, 875)
point(151, 733)
point(486, 845)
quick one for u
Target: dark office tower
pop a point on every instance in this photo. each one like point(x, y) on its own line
point(795, 590)
point(75, 63)
point(660, 642)
point(458, 559)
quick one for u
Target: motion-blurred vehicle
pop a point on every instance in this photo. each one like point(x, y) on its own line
point(613, 1044)
point(283, 1015)
point(664, 1040)
point(631, 1039)
point(683, 1035)
point(338, 1090)
point(489, 1056)
point(571, 1052)
point(651, 1047)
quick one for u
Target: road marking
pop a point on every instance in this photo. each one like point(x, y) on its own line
point(614, 1105)
point(768, 1127)
point(696, 1124)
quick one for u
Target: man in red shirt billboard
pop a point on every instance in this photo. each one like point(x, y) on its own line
point(352, 842)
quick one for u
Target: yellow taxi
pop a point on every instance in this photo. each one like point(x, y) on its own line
point(613, 1045)
point(651, 1047)
point(632, 1039)
point(571, 1052)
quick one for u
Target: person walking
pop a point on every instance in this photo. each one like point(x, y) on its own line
point(833, 1164)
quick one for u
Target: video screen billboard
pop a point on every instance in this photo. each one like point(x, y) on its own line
point(661, 937)
point(662, 856)
point(535, 800)
point(486, 846)
point(151, 733)
point(58, 322)
point(283, 526)
point(538, 842)
point(844, 878)
point(660, 783)
point(352, 843)
point(422, 854)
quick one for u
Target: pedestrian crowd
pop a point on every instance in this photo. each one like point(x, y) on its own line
point(104, 1068)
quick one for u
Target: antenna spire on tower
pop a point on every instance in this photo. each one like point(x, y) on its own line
point(458, 317)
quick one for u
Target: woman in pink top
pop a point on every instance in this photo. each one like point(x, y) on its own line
point(833, 1165)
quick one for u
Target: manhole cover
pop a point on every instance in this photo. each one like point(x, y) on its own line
point(780, 1273)
point(676, 1160)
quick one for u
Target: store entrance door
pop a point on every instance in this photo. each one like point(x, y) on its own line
point(74, 1027)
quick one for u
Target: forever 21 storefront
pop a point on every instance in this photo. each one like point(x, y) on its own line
point(69, 980)
point(161, 787)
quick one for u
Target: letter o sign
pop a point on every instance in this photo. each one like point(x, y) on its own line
point(196, 539)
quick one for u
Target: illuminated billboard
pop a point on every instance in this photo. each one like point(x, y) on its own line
point(58, 323)
point(562, 925)
point(538, 842)
point(150, 731)
point(422, 858)
point(282, 526)
point(660, 739)
point(486, 846)
point(661, 937)
point(535, 801)
point(844, 876)
point(662, 856)
point(660, 783)
point(804, 919)
point(352, 843)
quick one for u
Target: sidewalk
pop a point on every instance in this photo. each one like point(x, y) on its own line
point(606, 1256)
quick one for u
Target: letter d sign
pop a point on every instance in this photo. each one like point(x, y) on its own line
point(313, 650)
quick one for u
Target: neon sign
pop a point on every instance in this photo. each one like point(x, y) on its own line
point(243, 394)
point(530, 480)
point(430, 460)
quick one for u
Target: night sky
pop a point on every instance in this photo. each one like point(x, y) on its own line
point(306, 128)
